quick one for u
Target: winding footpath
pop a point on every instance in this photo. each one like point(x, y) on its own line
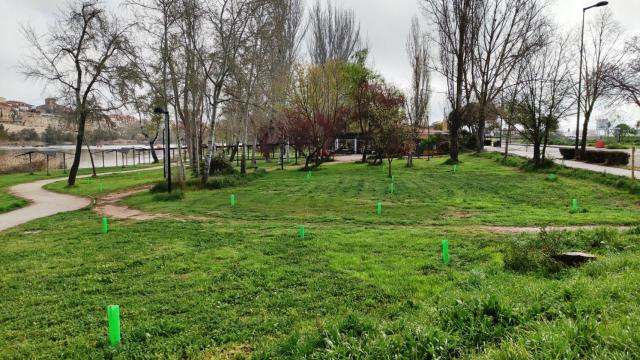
point(43, 203)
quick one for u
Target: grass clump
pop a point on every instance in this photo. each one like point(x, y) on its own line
point(480, 321)
point(532, 254)
point(356, 337)
point(536, 253)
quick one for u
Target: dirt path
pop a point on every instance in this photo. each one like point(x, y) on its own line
point(45, 203)
point(108, 206)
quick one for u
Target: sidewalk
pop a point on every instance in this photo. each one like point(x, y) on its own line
point(554, 154)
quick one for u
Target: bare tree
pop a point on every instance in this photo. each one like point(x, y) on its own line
point(79, 56)
point(545, 97)
point(417, 104)
point(335, 33)
point(149, 55)
point(601, 52)
point(625, 76)
point(453, 21)
point(508, 32)
point(187, 77)
point(226, 27)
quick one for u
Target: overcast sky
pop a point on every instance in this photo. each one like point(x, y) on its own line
point(385, 23)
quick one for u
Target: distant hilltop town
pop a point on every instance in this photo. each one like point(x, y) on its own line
point(16, 116)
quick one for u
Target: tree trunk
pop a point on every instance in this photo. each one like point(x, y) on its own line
point(389, 160)
point(544, 144)
point(506, 145)
point(234, 151)
point(536, 153)
point(481, 127)
point(364, 152)
point(73, 172)
point(93, 166)
point(243, 159)
point(583, 141)
point(453, 140)
point(153, 151)
point(211, 144)
point(180, 178)
point(253, 153)
point(307, 160)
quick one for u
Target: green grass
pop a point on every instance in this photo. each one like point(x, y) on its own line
point(108, 183)
point(239, 282)
point(482, 192)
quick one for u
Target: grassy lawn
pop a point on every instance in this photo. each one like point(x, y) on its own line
point(481, 192)
point(108, 183)
point(238, 282)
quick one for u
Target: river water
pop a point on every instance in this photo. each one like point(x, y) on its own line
point(103, 156)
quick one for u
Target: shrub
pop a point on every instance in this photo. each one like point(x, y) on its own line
point(568, 153)
point(174, 195)
point(598, 156)
point(221, 166)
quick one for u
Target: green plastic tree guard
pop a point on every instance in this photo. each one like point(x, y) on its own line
point(302, 232)
point(574, 204)
point(445, 252)
point(105, 226)
point(113, 314)
point(232, 200)
point(379, 211)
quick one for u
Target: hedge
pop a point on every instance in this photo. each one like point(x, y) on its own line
point(598, 156)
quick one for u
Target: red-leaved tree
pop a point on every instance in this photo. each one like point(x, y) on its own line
point(317, 112)
point(391, 136)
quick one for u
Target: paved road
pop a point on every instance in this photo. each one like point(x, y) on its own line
point(45, 203)
point(553, 153)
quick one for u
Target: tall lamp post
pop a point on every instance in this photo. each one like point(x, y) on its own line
point(584, 10)
point(167, 147)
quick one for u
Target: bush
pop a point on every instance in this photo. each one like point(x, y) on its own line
point(221, 166)
point(174, 195)
point(24, 135)
point(568, 153)
point(598, 156)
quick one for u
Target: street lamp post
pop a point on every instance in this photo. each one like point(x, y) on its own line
point(167, 147)
point(584, 10)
